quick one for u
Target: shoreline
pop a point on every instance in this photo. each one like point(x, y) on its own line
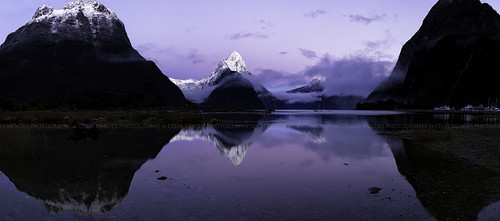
point(475, 146)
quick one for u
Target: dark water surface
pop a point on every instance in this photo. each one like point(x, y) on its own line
point(295, 165)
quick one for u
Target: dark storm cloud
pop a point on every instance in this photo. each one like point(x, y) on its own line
point(308, 53)
point(366, 20)
point(283, 53)
point(244, 34)
point(315, 13)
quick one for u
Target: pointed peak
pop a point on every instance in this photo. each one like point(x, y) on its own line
point(43, 10)
point(318, 79)
point(234, 62)
point(234, 55)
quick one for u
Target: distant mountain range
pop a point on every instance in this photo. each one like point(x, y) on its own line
point(232, 86)
point(452, 60)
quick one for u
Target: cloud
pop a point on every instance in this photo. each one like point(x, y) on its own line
point(191, 29)
point(283, 53)
point(377, 49)
point(279, 79)
point(175, 62)
point(244, 34)
point(308, 53)
point(315, 13)
point(298, 97)
point(354, 75)
point(195, 58)
point(265, 24)
point(367, 20)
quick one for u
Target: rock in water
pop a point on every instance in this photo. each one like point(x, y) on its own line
point(451, 60)
point(374, 190)
point(80, 56)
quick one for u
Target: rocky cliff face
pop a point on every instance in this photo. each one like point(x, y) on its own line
point(80, 56)
point(452, 59)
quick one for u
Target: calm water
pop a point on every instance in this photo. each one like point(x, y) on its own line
point(287, 166)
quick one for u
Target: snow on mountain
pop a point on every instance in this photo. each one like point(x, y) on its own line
point(233, 63)
point(99, 17)
point(316, 85)
point(198, 90)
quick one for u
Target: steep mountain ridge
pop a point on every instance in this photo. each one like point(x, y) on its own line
point(452, 59)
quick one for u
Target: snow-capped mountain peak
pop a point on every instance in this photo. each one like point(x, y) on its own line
point(234, 62)
point(318, 80)
point(316, 85)
point(233, 69)
point(90, 21)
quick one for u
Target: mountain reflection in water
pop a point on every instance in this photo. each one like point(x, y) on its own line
point(89, 177)
point(284, 166)
point(232, 143)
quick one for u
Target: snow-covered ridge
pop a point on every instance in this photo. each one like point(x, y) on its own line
point(316, 85)
point(99, 17)
point(89, 9)
point(233, 63)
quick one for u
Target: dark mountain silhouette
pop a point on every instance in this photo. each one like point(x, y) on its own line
point(80, 57)
point(451, 60)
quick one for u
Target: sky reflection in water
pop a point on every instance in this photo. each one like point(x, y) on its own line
point(288, 167)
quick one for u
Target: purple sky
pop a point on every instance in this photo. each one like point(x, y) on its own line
point(280, 38)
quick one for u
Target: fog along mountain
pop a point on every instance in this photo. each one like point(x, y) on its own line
point(451, 60)
point(230, 86)
point(80, 57)
point(315, 90)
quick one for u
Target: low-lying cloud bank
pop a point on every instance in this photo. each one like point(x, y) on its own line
point(353, 75)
